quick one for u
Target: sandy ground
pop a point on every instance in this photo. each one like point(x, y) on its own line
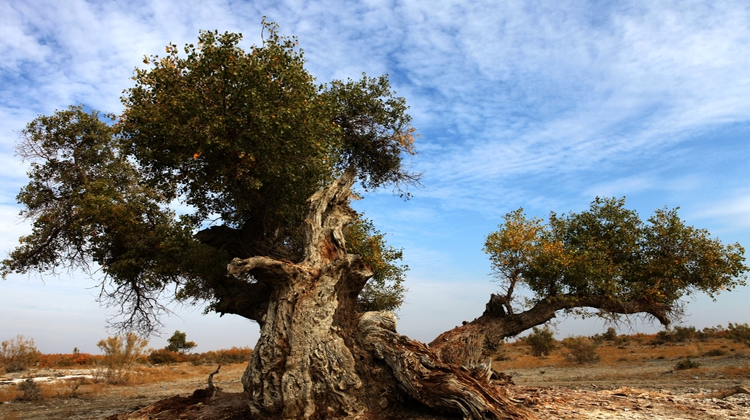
point(629, 390)
point(101, 402)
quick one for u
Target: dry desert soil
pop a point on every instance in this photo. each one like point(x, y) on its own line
point(631, 381)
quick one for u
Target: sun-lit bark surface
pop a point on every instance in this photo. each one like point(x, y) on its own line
point(318, 358)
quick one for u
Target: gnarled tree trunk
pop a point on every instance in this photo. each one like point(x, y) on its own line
point(318, 358)
point(474, 341)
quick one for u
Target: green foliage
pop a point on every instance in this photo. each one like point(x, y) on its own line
point(611, 334)
point(385, 290)
point(677, 334)
point(242, 138)
point(249, 136)
point(610, 254)
point(739, 333)
point(684, 334)
point(581, 350)
point(178, 343)
point(687, 363)
point(88, 204)
point(120, 355)
point(18, 354)
point(542, 341)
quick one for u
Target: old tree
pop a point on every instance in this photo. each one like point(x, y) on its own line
point(262, 161)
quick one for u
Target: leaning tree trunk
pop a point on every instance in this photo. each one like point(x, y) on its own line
point(318, 358)
point(474, 341)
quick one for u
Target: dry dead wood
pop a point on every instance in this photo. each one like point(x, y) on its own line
point(723, 393)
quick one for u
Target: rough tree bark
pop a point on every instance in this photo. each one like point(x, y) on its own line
point(318, 358)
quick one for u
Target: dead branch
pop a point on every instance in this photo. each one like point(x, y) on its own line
point(211, 386)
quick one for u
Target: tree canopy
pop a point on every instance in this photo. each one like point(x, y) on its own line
point(238, 141)
point(178, 343)
point(608, 257)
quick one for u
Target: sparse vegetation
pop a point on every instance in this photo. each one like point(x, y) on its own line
point(225, 356)
point(18, 353)
point(164, 357)
point(31, 390)
point(163, 377)
point(689, 334)
point(542, 341)
point(610, 334)
point(581, 350)
point(739, 333)
point(686, 363)
point(120, 355)
point(711, 342)
point(714, 353)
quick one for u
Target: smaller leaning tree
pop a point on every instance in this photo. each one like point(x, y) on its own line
point(605, 259)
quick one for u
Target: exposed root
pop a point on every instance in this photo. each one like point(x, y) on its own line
point(469, 392)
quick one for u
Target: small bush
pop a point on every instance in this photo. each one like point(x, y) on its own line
point(739, 333)
point(542, 341)
point(676, 335)
point(610, 334)
point(164, 357)
point(120, 354)
point(581, 350)
point(684, 334)
point(686, 363)
point(714, 353)
point(18, 353)
point(31, 390)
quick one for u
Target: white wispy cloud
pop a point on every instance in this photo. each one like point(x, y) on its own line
point(733, 212)
point(521, 103)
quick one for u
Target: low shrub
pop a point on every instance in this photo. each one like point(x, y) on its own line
point(676, 335)
point(714, 353)
point(686, 363)
point(65, 360)
point(18, 354)
point(120, 354)
point(31, 390)
point(228, 356)
point(610, 334)
point(541, 341)
point(739, 333)
point(164, 357)
point(581, 350)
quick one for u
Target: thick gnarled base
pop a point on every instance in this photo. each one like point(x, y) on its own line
point(302, 366)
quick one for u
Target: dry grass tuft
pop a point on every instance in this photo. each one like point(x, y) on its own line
point(737, 372)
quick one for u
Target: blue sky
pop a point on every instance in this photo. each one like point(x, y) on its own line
point(533, 104)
